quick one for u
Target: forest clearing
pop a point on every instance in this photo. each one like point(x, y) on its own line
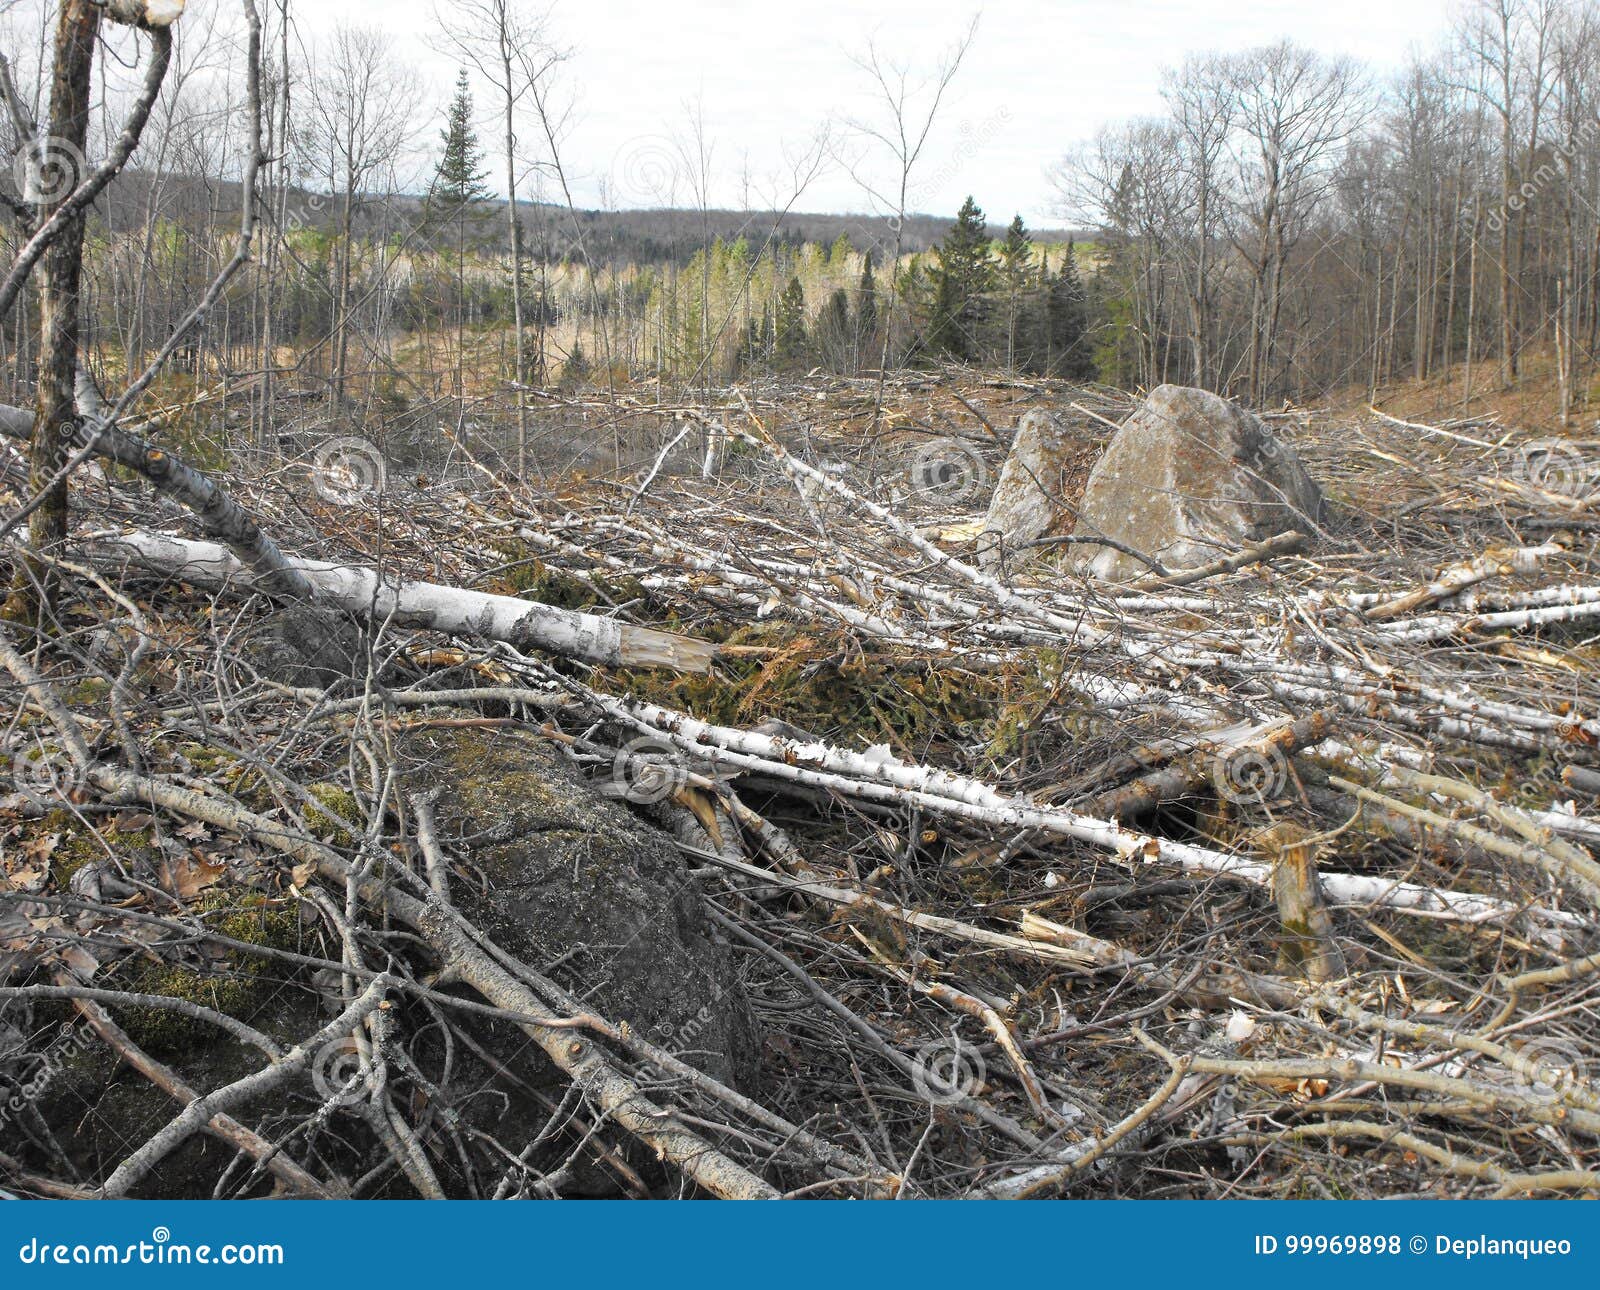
point(982, 846)
point(1045, 718)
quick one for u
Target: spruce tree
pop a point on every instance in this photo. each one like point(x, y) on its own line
point(458, 178)
point(1068, 319)
point(1016, 256)
point(793, 348)
point(963, 276)
point(1016, 252)
point(456, 188)
point(1033, 327)
point(834, 331)
point(575, 372)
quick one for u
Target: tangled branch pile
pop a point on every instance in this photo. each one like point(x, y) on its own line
point(1273, 877)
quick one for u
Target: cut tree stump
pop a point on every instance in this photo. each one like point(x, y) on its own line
point(1306, 946)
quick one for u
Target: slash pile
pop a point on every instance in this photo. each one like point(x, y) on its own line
point(1275, 877)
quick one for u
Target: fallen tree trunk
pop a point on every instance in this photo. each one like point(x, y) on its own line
point(456, 610)
point(1230, 762)
point(220, 516)
point(248, 550)
point(878, 775)
point(1287, 543)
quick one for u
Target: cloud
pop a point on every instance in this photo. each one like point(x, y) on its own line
point(763, 76)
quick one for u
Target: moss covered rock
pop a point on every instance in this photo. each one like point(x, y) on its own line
point(577, 886)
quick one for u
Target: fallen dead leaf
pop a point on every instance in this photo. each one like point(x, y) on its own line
point(187, 876)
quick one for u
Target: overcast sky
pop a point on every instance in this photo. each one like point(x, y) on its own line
point(1041, 76)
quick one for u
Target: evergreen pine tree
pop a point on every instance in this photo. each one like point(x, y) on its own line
point(457, 186)
point(867, 317)
point(792, 346)
point(1068, 318)
point(913, 288)
point(963, 275)
point(1016, 256)
point(458, 178)
point(1033, 327)
point(1015, 253)
point(834, 331)
point(575, 371)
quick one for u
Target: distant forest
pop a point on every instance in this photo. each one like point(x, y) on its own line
point(390, 269)
point(1290, 223)
point(628, 292)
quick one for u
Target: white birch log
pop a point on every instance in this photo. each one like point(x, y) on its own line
point(1380, 763)
point(878, 775)
point(1459, 577)
point(455, 610)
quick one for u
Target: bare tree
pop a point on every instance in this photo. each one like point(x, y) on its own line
point(1511, 40)
point(1295, 108)
point(1200, 97)
point(60, 186)
point(1129, 180)
point(906, 107)
point(509, 47)
point(362, 114)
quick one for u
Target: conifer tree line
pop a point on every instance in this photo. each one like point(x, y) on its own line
point(1004, 305)
point(1293, 222)
point(971, 299)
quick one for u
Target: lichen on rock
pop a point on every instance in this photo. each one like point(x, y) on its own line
point(1189, 477)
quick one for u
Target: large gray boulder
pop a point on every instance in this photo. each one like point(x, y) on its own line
point(575, 884)
point(1039, 482)
point(1188, 478)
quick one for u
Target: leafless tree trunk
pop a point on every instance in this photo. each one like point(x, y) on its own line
point(902, 134)
point(61, 186)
